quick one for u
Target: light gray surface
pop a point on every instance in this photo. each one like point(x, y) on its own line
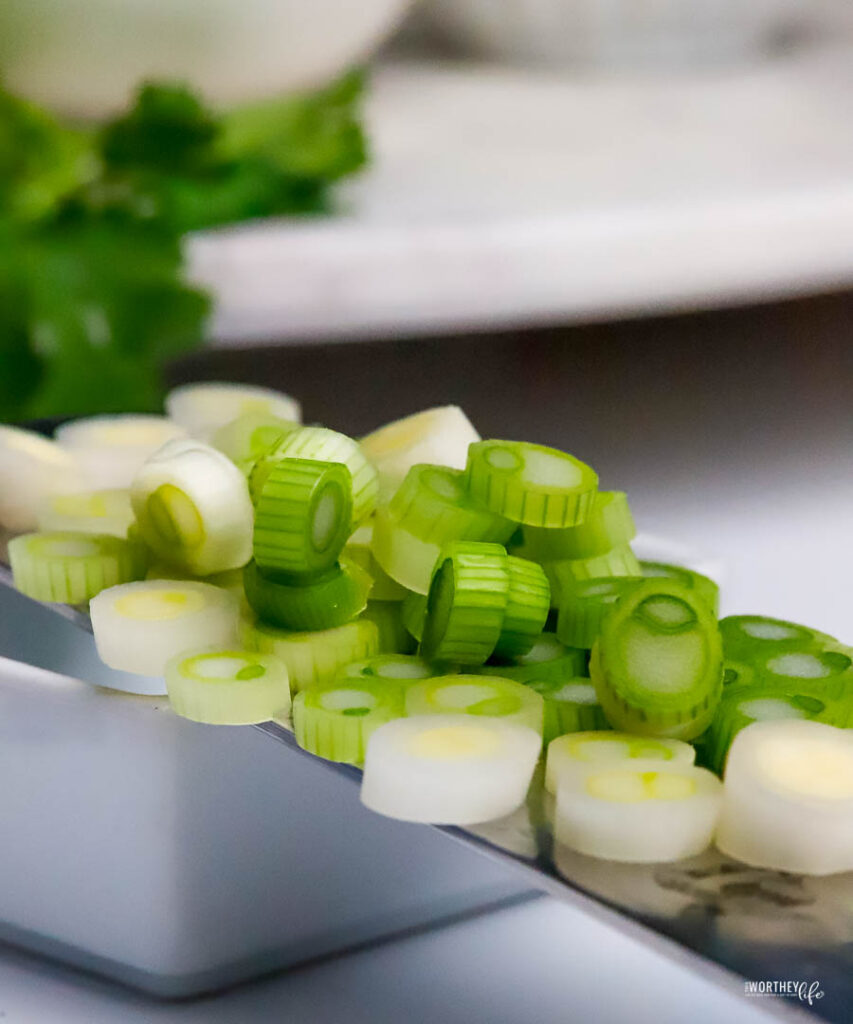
point(537, 963)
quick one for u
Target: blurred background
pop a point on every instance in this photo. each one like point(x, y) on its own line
point(620, 226)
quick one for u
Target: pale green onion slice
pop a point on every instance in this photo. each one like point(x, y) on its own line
point(394, 637)
point(747, 637)
point(430, 509)
point(203, 408)
point(104, 512)
point(563, 576)
point(438, 436)
point(71, 568)
point(448, 770)
point(644, 812)
point(529, 483)
point(481, 696)
point(585, 604)
point(828, 670)
point(570, 706)
point(704, 586)
point(788, 798)
point(336, 720)
point(111, 449)
point(467, 604)
point(139, 627)
point(231, 579)
point(413, 611)
point(330, 599)
point(245, 439)
point(608, 525)
point(193, 508)
point(546, 659)
point(302, 516)
point(228, 687)
point(318, 444)
point(575, 753)
point(528, 604)
point(314, 657)
point(657, 665)
point(393, 670)
point(358, 548)
point(31, 469)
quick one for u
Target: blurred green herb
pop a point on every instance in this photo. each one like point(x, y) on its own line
point(92, 293)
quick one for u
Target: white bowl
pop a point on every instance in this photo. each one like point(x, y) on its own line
point(84, 57)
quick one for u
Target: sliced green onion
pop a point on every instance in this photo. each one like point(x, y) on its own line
point(827, 670)
point(528, 604)
point(749, 704)
point(31, 469)
point(704, 586)
point(467, 604)
point(387, 616)
point(314, 657)
point(231, 579)
point(394, 670)
point(529, 483)
point(608, 525)
point(71, 568)
point(788, 798)
point(437, 436)
point(448, 769)
point(546, 659)
point(104, 512)
point(245, 439)
point(193, 508)
point(621, 562)
point(228, 687)
point(358, 548)
point(331, 599)
point(335, 720)
point(140, 626)
point(413, 611)
point(657, 664)
point(747, 637)
point(576, 752)
point(570, 706)
point(641, 813)
point(110, 450)
point(430, 509)
point(302, 516)
point(487, 696)
point(585, 604)
point(203, 408)
point(318, 444)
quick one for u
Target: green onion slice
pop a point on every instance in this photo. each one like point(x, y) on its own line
point(488, 696)
point(202, 408)
point(585, 604)
point(71, 568)
point(32, 468)
point(657, 664)
point(139, 627)
point(318, 444)
point(358, 549)
point(104, 512)
point(576, 752)
point(394, 637)
point(529, 483)
point(325, 601)
point(193, 508)
point(548, 658)
point(314, 657)
point(302, 516)
point(245, 439)
point(566, 574)
point(396, 670)
point(437, 436)
point(430, 509)
point(528, 604)
point(413, 611)
point(747, 637)
point(570, 706)
point(704, 586)
point(608, 525)
point(335, 720)
point(449, 769)
point(228, 687)
point(467, 604)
